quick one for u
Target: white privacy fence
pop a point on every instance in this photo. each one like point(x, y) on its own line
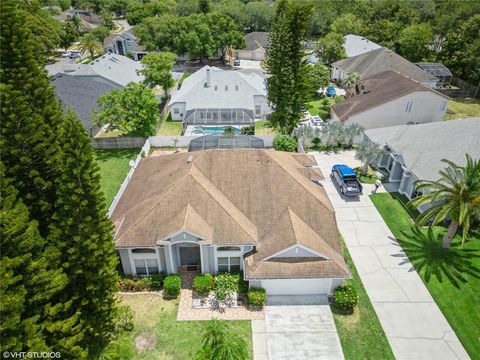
point(143, 153)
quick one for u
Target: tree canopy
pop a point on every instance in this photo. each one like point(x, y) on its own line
point(157, 70)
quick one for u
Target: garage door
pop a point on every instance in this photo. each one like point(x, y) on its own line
point(297, 286)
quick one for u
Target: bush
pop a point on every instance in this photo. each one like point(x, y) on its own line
point(256, 297)
point(248, 130)
point(172, 285)
point(316, 141)
point(140, 284)
point(226, 285)
point(285, 143)
point(154, 281)
point(345, 298)
point(203, 283)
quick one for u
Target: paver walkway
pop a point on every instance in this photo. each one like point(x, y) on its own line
point(296, 329)
point(414, 325)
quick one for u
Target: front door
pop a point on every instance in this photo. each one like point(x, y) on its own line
point(190, 256)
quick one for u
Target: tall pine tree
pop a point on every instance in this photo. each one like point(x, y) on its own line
point(27, 279)
point(30, 115)
point(288, 85)
point(82, 232)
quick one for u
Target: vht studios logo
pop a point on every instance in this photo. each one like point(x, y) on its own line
point(31, 355)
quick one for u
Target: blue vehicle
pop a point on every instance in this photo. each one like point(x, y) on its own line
point(346, 180)
point(331, 92)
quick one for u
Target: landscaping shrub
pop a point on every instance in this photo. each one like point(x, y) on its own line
point(225, 285)
point(124, 319)
point(285, 143)
point(256, 297)
point(345, 298)
point(316, 142)
point(140, 283)
point(248, 130)
point(172, 285)
point(154, 281)
point(203, 283)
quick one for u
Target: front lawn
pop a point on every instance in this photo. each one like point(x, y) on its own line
point(264, 127)
point(361, 334)
point(157, 335)
point(113, 164)
point(170, 128)
point(462, 108)
point(451, 275)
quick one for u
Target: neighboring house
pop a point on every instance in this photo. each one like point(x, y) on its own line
point(389, 98)
point(377, 61)
point(414, 152)
point(190, 212)
point(256, 49)
point(124, 44)
point(116, 69)
point(88, 20)
point(354, 45)
point(212, 96)
point(81, 93)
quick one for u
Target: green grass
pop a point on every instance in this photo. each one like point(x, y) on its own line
point(264, 127)
point(462, 108)
point(451, 275)
point(155, 319)
point(170, 128)
point(316, 107)
point(113, 164)
point(361, 334)
point(184, 76)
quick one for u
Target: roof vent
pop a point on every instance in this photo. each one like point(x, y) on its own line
point(189, 159)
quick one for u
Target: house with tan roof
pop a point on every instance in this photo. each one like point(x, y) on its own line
point(189, 211)
point(390, 98)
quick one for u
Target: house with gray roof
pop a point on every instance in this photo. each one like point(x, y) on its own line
point(81, 94)
point(212, 96)
point(389, 98)
point(124, 44)
point(355, 45)
point(256, 49)
point(379, 60)
point(415, 152)
point(116, 69)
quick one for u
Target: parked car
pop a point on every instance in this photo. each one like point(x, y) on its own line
point(66, 54)
point(236, 62)
point(346, 179)
point(74, 54)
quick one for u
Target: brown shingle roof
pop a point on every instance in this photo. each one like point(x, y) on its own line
point(251, 197)
point(380, 88)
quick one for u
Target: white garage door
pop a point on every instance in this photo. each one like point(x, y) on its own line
point(297, 286)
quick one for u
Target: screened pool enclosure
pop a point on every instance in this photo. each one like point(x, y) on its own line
point(226, 142)
point(214, 116)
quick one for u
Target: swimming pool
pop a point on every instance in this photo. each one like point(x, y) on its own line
point(211, 130)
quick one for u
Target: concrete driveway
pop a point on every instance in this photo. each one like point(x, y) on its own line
point(414, 325)
point(296, 332)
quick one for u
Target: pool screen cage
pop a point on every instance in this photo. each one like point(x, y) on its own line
point(440, 71)
point(226, 142)
point(213, 116)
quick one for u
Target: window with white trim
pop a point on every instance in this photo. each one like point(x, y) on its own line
point(146, 266)
point(408, 107)
point(230, 264)
point(258, 109)
point(176, 111)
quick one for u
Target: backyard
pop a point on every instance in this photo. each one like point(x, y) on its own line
point(264, 127)
point(113, 164)
point(321, 106)
point(462, 108)
point(157, 335)
point(361, 334)
point(451, 275)
point(170, 128)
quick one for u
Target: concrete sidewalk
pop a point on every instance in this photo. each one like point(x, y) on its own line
point(414, 325)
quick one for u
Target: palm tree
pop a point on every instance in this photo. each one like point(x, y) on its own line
point(352, 130)
point(350, 80)
point(335, 131)
point(456, 195)
point(89, 43)
point(76, 21)
point(220, 343)
point(304, 133)
point(366, 152)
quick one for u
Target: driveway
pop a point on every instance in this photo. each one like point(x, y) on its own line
point(296, 328)
point(414, 325)
point(251, 66)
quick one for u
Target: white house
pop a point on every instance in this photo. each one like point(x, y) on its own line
point(251, 211)
point(390, 98)
point(380, 60)
point(414, 152)
point(213, 96)
point(125, 43)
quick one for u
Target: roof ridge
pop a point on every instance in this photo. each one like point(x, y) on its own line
point(299, 178)
point(236, 214)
